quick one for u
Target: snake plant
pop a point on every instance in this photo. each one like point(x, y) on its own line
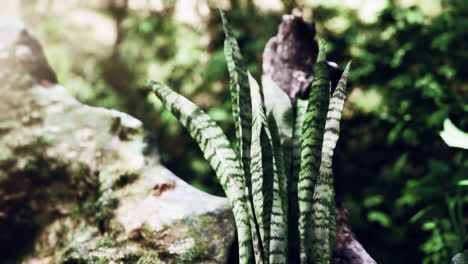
point(278, 179)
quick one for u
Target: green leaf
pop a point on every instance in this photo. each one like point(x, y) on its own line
point(453, 136)
point(261, 168)
point(312, 137)
point(293, 176)
point(301, 108)
point(323, 220)
point(416, 217)
point(242, 113)
point(240, 95)
point(382, 218)
point(463, 183)
point(279, 215)
point(268, 169)
point(278, 104)
point(217, 150)
point(373, 200)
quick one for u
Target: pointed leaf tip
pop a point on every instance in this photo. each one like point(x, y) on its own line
point(345, 73)
point(322, 55)
point(226, 26)
point(348, 65)
point(222, 14)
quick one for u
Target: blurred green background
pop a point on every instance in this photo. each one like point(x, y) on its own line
point(406, 190)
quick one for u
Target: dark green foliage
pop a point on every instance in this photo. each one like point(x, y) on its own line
point(409, 74)
point(416, 65)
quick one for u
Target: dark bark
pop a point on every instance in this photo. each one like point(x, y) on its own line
point(119, 11)
point(348, 250)
point(288, 59)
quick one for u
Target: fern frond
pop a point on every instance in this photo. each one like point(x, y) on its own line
point(312, 137)
point(217, 150)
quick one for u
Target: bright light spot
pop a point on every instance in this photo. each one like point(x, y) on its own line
point(337, 24)
point(366, 101)
point(191, 12)
point(430, 8)
point(407, 3)
point(154, 71)
point(354, 4)
point(367, 9)
point(370, 8)
point(100, 27)
point(269, 5)
point(10, 9)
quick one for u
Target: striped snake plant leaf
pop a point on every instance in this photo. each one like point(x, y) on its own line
point(293, 209)
point(242, 112)
point(255, 228)
point(301, 108)
point(281, 124)
point(279, 214)
point(217, 150)
point(239, 86)
point(262, 170)
point(331, 139)
point(240, 95)
point(277, 103)
point(311, 142)
point(270, 172)
point(323, 219)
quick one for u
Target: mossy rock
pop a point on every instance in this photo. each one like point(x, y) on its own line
point(81, 184)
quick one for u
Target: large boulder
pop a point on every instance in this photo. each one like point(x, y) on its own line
point(81, 184)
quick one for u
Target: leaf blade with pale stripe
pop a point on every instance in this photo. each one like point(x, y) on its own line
point(293, 207)
point(270, 171)
point(311, 147)
point(239, 87)
point(216, 149)
point(261, 169)
point(279, 214)
point(242, 113)
point(323, 219)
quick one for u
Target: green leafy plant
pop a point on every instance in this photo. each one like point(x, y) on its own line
point(277, 175)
